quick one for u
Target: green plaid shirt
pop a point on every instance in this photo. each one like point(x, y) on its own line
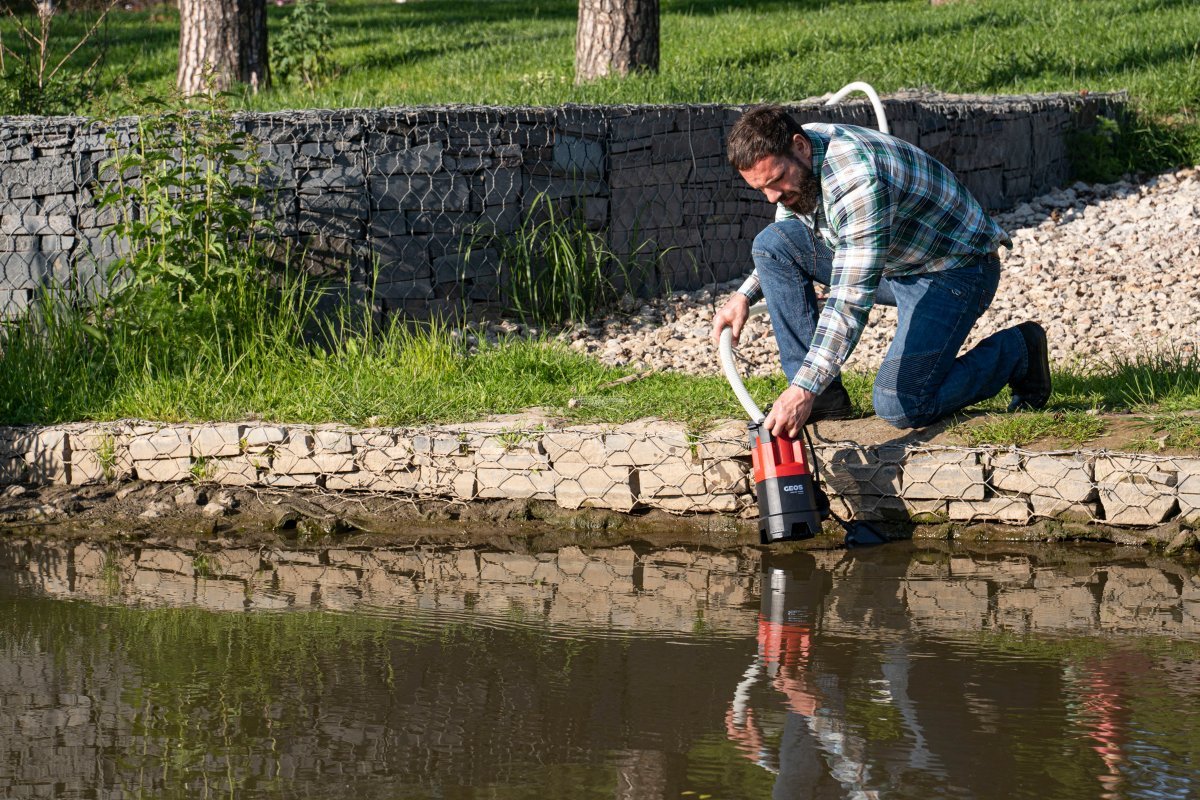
point(887, 208)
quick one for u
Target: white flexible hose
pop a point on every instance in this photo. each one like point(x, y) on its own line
point(865, 88)
point(731, 374)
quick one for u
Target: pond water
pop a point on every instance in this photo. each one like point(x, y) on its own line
point(901, 671)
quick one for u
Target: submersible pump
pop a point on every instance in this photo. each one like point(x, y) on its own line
point(791, 503)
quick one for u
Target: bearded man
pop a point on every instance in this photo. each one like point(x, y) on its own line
point(877, 220)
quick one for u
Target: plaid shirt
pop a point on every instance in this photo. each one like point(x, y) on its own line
point(887, 208)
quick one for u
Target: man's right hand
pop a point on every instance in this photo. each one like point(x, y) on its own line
point(731, 315)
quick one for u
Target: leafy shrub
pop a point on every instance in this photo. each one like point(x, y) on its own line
point(185, 201)
point(300, 50)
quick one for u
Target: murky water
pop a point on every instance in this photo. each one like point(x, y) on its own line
point(901, 671)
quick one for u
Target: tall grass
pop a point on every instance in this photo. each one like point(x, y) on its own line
point(558, 269)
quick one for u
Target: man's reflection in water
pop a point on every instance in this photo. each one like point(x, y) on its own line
point(851, 646)
point(819, 754)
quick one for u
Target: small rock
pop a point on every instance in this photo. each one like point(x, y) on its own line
point(1184, 540)
point(159, 508)
point(226, 499)
point(16, 490)
point(128, 489)
point(215, 509)
point(186, 497)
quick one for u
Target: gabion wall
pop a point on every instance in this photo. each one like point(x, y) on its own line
point(419, 202)
point(648, 464)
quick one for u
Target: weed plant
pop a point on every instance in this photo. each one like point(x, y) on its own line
point(556, 268)
point(301, 50)
point(185, 198)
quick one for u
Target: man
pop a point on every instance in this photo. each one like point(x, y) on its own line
point(876, 220)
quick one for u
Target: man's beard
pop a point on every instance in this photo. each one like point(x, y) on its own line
point(804, 200)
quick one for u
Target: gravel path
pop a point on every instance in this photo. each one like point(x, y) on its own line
point(1110, 270)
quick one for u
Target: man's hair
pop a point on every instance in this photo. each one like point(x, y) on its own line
point(762, 131)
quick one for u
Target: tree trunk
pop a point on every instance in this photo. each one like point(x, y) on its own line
point(616, 37)
point(227, 38)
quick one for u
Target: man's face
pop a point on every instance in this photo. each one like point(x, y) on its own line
point(786, 179)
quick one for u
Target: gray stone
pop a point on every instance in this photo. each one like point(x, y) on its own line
point(584, 485)
point(943, 475)
point(1012, 510)
point(1136, 490)
point(217, 440)
point(164, 470)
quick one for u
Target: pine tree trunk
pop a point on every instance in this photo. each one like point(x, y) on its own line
point(225, 37)
point(616, 37)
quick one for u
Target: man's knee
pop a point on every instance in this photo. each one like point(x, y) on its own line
point(901, 411)
point(784, 241)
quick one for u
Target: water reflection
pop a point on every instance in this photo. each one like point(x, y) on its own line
point(905, 671)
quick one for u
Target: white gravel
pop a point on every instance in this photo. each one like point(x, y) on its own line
point(1110, 270)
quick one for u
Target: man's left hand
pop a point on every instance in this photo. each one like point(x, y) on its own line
point(789, 412)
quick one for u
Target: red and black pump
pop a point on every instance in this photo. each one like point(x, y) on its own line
point(791, 503)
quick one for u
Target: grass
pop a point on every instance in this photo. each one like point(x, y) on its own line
point(268, 364)
point(521, 52)
point(1075, 427)
point(1174, 430)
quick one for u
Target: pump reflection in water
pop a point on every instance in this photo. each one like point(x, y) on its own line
point(820, 752)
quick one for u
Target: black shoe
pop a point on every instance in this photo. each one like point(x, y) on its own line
point(833, 403)
point(1032, 391)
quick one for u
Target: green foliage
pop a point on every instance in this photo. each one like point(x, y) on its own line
point(1166, 379)
point(1169, 430)
point(557, 269)
point(1098, 155)
point(21, 93)
point(1135, 142)
point(301, 50)
point(185, 198)
point(1020, 429)
point(34, 77)
point(106, 454)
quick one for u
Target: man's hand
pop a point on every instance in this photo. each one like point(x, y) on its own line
point(790, 411)
point(731, 315)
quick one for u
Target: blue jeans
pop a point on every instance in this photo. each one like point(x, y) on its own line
point(922, 378)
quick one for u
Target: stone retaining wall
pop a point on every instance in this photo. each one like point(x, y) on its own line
point(649, 464)
point(417, 203)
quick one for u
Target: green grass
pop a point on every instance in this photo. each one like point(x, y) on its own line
point(1074, 427)
point(1173, 429)
point(521, 52)
point(268, 363)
